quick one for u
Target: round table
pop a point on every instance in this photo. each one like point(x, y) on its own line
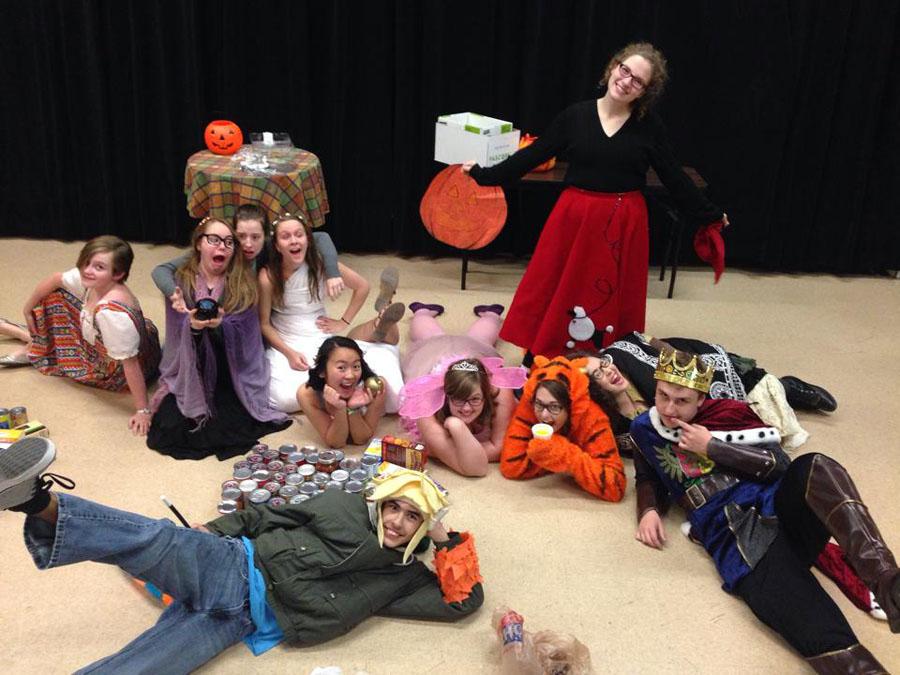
point(215, 185)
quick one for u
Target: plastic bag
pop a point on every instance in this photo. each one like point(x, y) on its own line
point(544, 653)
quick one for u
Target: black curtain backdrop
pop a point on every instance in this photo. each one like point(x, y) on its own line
point(790, 109)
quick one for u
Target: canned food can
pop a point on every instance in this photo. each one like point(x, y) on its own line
point(231, 484)
point(307, 471)
point(4, 418)
point(370, 464)
point(297, 458)
point(286, 450)
point(309, 448)
point(18, 416)
point(272, 486)
point(231, 493)
point(242, 474)
point(349, 464)
point(259, 448)
point(255, 458)
point(298, 499)
point(277, 502)
point(260, 475)
point(279, 477)
point(227, 506)
point(360, 475)
point(243, 464)
point(276, 465)
point(320, 479)
point(269, 455)
point(288, 491)
point(293, 479)
point(260, 496)
point(312, 457)
point(290, 468)
point(308, 489)
point(340, 476)
point(334, 485)
point(339, 456)
point(256, 466)
point(353, 486)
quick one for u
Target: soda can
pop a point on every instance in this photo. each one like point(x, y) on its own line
point(18, 416)
point(297, 458)
point(349, 464)
point(293, 479)
point(298, 499)
point(242, 474)
point(353, 486)
point(307, 471)
point(227, 506)
point(334, 485)
point(308, 489)
point(340, 476)
point(360, 475)
point(5, 419)
point(276, 465)
point(288, 491)
point(277, 502)
point(231, 494)
point(260, 496)
point(260, 475)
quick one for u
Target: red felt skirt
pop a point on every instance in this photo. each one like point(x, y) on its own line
point(593, 254)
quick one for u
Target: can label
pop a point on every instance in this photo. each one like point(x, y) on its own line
point(18, 416)
point(511, 628)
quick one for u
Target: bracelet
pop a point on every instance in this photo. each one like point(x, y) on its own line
point(351, 411)
point(143, 411)
point(345, 321)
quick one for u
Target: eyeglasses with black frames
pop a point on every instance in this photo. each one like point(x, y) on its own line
point(636, 82)
point(215, 240)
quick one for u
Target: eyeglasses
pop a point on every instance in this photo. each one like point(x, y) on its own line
point(473, 402)
point(605, 362)
point(636, 82)
point(215, 240)
point(552, 408)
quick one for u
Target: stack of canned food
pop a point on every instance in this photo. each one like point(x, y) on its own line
point(291, 475)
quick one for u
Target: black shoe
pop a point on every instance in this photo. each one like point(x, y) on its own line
point(804, 396)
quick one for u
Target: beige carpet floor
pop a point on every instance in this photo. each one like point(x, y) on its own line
point(563, 559)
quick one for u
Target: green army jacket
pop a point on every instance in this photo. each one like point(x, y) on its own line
point(325, 571)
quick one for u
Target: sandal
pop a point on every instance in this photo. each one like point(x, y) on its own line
point(14, 360)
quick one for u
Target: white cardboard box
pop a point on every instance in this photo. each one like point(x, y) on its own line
point(462, 137)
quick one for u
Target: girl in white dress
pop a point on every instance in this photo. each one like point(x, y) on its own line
point(294, 322)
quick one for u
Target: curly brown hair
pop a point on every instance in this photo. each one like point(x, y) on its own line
point(659, 73)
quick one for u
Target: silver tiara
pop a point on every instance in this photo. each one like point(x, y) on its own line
point(466, 366)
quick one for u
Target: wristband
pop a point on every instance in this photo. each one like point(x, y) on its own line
point(143, 411)
point(345, 321)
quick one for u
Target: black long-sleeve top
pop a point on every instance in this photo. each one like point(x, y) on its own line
point(606, 164)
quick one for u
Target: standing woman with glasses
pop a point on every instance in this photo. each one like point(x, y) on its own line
point(214, 377)
point(458, 395)
point(593, 251)
point(557, 428)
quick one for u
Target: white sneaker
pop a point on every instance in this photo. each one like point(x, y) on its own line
point(21, 464)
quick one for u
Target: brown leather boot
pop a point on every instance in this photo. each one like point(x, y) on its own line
point(833, 497)
point(855, 660)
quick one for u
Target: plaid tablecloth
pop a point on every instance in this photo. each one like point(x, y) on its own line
point(216, 185)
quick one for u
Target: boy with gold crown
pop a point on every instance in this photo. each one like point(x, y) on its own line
point(762, 518)
point(304, 573)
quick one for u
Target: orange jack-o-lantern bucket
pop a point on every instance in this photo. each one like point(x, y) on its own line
point(458, 211)
point(223, 137)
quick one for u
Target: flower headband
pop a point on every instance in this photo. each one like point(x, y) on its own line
point(424, 396)
point(287, 216)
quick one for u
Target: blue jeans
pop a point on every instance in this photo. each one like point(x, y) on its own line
point(205, 574)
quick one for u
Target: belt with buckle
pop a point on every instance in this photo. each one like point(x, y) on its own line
point(699, 493)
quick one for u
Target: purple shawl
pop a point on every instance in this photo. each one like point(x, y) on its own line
point(188, 367)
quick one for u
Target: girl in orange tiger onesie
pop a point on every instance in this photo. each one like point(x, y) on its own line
point(581, 442)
